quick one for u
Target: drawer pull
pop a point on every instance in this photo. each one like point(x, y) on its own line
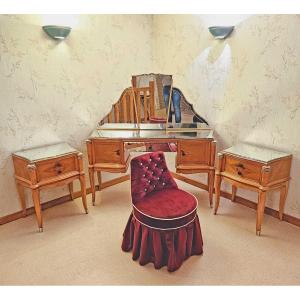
point(182, 153)
point(118, 152)
point(58, 168)
point(239, 165)
point(240, 173)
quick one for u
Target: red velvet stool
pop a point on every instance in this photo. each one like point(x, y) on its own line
point(163, 227)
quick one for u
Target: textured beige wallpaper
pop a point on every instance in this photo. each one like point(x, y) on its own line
point(57, 91)
point(246, 86)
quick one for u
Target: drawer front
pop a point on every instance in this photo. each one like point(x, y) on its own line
point(194, 152)
point(108, 152)
point(57, 166)
point(243, 168)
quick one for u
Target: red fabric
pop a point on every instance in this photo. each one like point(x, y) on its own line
point(157, 120)
point(163, 248)
point(157, 202)
point(149, 173)
point(160, 223)
point(169, 203)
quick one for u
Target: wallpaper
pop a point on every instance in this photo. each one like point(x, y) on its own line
point(58, 91)
point(246, 87)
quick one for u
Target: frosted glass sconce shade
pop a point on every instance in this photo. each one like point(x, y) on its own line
point(221, 32)
point(57, 32)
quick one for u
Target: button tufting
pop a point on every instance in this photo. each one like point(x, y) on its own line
point(155, 165)
point(150, 159)
point(152, 172)
point(141, 164)
point(154, 185)
point(145, 190)
point(163, 183)
point(147, 167)
point(144, 175)
point(149, 181)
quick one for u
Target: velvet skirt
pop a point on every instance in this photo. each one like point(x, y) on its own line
point(162, 247)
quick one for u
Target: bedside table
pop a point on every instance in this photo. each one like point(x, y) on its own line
point(254, 168)
point(45, 167)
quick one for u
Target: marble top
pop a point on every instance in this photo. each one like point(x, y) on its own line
point(46, 152)
point(153, 131)
point(253, 152)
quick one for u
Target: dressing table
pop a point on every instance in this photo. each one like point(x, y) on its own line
point(107, 153)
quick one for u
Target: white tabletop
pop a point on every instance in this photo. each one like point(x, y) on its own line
point(253, 152)
point(46, 152)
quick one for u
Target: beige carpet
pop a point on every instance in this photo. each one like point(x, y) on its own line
point(81, 249)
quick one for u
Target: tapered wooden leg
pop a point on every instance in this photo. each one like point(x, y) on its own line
point(99, 179)
point(92, 183)
point(217, 191)
point(21, 193)
point(71, 190)
point(37, 207)
point(83, 192)
point(211, 180)
point(283, 195)
point(233, 193)
point(260, 210)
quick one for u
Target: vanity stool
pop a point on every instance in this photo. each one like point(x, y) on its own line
point(163, 227)
point(44, 167)
point(254, 168)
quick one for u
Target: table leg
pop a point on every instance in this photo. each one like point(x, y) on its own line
point(260, 210)
point(83, 192)
point(92, 183)
point(37, 207)
point(71, 190)
point(211, 179)
point(283, 195)
point(217, 190)
point(233, 193)
point(21, 193)
point(99, 179)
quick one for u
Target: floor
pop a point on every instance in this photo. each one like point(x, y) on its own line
point(80, 249)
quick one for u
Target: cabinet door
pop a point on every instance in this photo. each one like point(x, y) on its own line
point(194, 152)
point(108, 151)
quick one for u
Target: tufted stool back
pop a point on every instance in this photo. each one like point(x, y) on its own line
point(149, 173)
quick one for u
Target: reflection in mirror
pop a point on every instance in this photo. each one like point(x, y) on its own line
point(149, 100)
point(180, 109)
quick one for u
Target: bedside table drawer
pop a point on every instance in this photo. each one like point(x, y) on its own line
point(57, 166)
point(242, 168)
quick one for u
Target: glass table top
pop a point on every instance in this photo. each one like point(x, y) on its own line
point(154, 126)
point(155, 131)
point(258, 153)
point(45, 152)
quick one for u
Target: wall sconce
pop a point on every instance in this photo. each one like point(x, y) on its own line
point(57, 32)
point(221, 32)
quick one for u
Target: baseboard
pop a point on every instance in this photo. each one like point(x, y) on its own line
point(268, 211)
point(48, 204)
